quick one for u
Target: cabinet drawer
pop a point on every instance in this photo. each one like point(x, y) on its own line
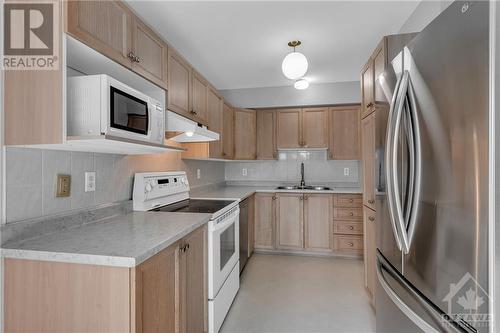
point(355, 214)
point(348, 200)
point(348, 227)
point(348, 243)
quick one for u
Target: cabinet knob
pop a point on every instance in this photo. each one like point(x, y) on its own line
point(351, 244)
point(301, 198)
point(371, 201)
point(306, 197)
point(369, 105)
point(351, 200)
point(274, 197)
point(371, 218)
point(351, 214)
point(351, 227)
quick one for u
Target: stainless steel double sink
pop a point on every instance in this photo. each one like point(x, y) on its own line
point(308, 187)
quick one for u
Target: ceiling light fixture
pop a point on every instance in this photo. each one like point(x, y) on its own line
point(301, 84)
point(295, 64)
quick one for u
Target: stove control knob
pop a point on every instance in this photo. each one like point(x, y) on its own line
point(148, 187)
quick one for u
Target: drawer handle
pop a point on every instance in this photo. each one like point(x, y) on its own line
point(371, 218)
point(371, 201)
point(351, 244)
point(351, 227)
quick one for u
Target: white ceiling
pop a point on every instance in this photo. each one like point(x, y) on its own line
point(237, 44)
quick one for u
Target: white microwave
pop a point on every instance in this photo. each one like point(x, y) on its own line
point(101, 105)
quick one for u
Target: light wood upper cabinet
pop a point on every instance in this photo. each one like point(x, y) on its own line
point(266, 134)
point(367, 89)
point(368, 155)
point(369, 221)
point(290, 221)
point(344, 133)
point(215, 122)
point(155, 292)
point(106, 26)
point(315, 127)
point(318, 222)
point(199, 99)
point(228, 132)
point(179, 85)
point(264, 221)
point(289, 128)
point(151, 53)
point(379, 66)
point(244, 134)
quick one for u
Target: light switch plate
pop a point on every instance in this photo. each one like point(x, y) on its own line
point(198, 173)
point(346, 171)
point(244, 172)
point(63, 186)
point(90, 181)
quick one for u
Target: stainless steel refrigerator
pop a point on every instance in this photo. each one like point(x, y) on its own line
point(433, 178)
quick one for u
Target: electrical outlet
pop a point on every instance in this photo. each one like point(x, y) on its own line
point(346, 171)
point(198, 173)
point(90, 181)
point(244, 171)
point(63, 186)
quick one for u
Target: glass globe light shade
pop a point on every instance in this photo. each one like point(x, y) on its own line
point(294, 65)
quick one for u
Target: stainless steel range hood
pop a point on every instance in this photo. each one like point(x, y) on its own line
point(181, 129)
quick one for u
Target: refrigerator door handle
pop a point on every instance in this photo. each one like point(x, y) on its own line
point(416, 147)
point(446, 323)
point(394, 204)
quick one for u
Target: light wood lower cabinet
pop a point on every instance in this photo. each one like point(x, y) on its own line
point(166, 293)
point(290, 221)
point(348, 223)
point(265, 213)
point(369, 221)
point(318, 222)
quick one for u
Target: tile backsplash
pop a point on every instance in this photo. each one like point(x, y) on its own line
point(287, 169)
point(31, 178)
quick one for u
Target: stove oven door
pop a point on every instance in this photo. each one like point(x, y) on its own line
point(224, 247)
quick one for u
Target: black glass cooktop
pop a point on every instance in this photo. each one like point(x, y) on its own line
point(195, 206)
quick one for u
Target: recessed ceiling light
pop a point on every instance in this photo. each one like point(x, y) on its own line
point(301, 84)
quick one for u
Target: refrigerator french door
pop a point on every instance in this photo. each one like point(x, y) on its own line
point(432, 202)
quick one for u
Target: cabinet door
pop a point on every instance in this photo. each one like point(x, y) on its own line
point(289, 220)
point(157, 284)
point(104, 26)
point(151, 53)
point(244, 134)
point(318, 222)
point(179, 74)
point(368, 154)
point(195, 260)
point(315, 127)
point(367, 86)
point(215, 122)
point(251, 225)
point(264, 221)
point(266, 135)
point(369, 250)
point(379, 65)
point(228, 132)
point(289, 126)
point(200, 90)
point(344, 133)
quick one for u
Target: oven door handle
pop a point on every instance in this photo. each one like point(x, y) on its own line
point(227, 222)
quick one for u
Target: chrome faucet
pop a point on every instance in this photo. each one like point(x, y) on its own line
point(302, 182)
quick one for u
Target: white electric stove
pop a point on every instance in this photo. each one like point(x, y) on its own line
point(169, 192)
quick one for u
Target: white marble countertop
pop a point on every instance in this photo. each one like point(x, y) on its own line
point(124, 241)
point(237, 192)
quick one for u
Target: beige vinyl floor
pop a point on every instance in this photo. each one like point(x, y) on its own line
point(280, 293)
